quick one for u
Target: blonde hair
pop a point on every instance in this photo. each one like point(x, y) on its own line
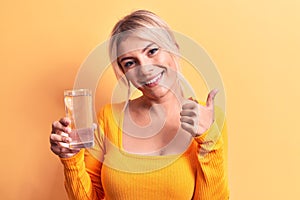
point(145, 25)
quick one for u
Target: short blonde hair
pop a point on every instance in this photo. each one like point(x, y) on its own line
point(143, 24)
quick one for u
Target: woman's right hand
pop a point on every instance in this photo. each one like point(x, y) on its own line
point(59, 138)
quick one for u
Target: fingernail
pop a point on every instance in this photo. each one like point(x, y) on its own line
point(64, 134)
point(68, 129)
point(94, 126)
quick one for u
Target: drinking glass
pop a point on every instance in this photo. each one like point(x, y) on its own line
point(78, 106)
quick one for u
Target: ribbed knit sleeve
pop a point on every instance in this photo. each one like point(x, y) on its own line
point(81, 182)
point(83, 171)
point(212, 177)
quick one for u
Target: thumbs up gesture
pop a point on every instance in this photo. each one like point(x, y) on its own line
point(196, 118)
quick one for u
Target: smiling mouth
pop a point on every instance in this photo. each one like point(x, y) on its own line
point(153, 82)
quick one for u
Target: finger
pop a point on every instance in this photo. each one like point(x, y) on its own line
point(211, 97)
point(94, 126)
point(65, 121)
point(64, 145)
point(189, 105)
point(57, 127)
point(188, 120)
point(190, 113)
point(54, 138)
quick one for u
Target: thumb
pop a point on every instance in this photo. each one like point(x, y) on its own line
point(211, 97)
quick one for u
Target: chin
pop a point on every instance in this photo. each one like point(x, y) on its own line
point(158, 91)
point(157, 94)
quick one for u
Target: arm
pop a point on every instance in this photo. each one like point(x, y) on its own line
point(206, 123)
point(212, 177)
point(82, 176)
point(83, 171)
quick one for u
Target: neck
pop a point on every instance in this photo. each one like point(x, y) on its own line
point(172, 100)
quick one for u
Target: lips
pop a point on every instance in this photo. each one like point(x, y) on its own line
point(154, 81)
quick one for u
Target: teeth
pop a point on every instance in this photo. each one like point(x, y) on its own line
point(153, 80)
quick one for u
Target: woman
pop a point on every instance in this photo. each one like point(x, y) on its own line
point(157, 146)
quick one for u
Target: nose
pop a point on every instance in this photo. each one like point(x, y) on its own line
point(146, 67)
point(145, 70)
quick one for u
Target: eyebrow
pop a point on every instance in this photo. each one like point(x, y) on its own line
point(143, 50)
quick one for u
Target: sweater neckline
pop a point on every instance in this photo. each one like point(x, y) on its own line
point(144, 156)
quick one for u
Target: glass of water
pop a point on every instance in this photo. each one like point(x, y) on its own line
point(79, 108)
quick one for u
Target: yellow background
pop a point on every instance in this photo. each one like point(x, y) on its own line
point(255, 45)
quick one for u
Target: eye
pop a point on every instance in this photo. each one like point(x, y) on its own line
point(153, 51)
point(128, 64)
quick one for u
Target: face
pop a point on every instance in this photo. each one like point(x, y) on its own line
point(148, 67)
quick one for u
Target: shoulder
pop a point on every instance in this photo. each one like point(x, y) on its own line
point(110, 109)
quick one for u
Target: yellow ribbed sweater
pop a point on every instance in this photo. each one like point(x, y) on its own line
point(107, 171)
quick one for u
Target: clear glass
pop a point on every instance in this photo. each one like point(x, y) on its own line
point(79, 108)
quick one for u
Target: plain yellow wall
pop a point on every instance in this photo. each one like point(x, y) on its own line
point(255, 45)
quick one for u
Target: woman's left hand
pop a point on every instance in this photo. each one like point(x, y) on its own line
point(196, 118)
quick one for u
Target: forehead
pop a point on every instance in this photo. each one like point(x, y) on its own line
point(130, 44)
